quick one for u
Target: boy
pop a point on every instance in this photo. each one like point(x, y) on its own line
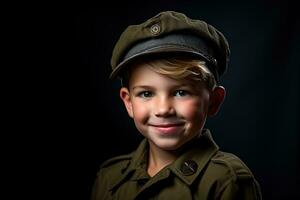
point(170, 68)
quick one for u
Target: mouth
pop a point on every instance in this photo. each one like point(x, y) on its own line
point(168, 129)
point(166, 125)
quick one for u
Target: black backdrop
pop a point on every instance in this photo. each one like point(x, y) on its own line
point(80, 119)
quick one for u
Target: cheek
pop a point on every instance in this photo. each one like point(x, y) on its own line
point(140, 112)
point(192, 110)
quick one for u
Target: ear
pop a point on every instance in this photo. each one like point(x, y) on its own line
point(125, 96)
point(217, 97)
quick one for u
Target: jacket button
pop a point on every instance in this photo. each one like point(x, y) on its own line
point(188, 167)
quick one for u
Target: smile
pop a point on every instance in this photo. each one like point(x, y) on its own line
point(168, 129)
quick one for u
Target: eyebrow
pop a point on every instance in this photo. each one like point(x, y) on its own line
point(151, 87)
point(142, 87)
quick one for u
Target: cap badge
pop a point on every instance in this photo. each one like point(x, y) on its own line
point(155, 29)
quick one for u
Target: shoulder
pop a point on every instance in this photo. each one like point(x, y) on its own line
point(116, 160)
point(111, 171)
point(234, 177)
point(226, 168)
point(116, 163)
point(231, 164)
point(108, 175)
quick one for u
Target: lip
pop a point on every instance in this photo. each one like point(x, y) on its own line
point(167, 129)
point(166, 125)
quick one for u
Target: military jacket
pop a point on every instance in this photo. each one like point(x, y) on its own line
point(202, 172)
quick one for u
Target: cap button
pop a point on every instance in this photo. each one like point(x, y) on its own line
point(188, 167)
point(155, 29)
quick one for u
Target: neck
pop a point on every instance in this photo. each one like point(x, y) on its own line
point(158, 159)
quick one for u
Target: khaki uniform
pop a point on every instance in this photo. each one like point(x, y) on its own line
point(201, 172)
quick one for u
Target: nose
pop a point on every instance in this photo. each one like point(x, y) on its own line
point(164, 107)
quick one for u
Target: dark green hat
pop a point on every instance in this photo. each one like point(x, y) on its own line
point(172, 32)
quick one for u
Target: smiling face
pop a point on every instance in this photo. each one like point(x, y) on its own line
point(168, 112)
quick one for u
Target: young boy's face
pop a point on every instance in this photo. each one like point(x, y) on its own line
point(166, 111)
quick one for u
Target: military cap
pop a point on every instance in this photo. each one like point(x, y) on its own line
point(172, 32)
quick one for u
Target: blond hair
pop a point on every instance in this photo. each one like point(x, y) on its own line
point(178, 68)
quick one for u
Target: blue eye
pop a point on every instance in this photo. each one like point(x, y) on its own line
point(145, 94)
point(181, 93)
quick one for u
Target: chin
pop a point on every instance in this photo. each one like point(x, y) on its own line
point(168, 145)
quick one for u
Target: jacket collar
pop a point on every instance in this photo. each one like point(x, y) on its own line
point(200, 151)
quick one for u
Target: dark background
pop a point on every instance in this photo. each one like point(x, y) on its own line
point(77, 117)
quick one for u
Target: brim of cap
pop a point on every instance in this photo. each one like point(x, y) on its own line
point(168, 49)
